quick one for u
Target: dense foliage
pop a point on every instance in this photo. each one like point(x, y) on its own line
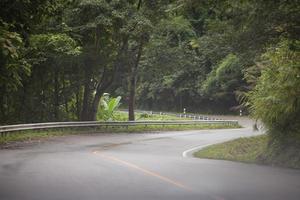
point(275, 99)
point(58, 58)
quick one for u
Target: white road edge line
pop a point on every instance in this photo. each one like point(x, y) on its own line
point(185, 153)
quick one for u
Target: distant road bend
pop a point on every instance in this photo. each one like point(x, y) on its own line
point(152, 166)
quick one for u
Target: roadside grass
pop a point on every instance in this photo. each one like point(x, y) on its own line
point(32, 135)
point(123, 116)
point(257, 149)
point(241, 149)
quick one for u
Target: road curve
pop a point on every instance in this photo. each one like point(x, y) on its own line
point(153, 166)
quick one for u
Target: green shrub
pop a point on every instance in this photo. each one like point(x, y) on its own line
point(276, 98)
point(145, 115)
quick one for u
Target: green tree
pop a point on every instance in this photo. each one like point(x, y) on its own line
point(15, 30)
point(169, 65)
point(104, 37)
point(225, 80)
point(53, 49)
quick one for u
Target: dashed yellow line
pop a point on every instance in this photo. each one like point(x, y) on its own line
point(145, 171)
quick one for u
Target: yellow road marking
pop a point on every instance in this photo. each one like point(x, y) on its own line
point(145, 171)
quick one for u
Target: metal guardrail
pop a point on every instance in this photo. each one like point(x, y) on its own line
point(49, 125)
point(179, 115)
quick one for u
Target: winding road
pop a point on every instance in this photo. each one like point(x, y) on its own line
point(150, 166)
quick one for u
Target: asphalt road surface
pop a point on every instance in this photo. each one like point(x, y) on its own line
point(153, 166)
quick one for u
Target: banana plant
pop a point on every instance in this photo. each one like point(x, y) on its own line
point(108, 107)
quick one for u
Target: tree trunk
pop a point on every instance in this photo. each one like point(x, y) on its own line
point(2, 108)
point(23, 99)
point(77, 98)
point(87, 92)
point(133, 76)
point(64, 92)
point(56, 94)
point(95, 105)
point(132, 84)
point(131, 101)
point(43, 97)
